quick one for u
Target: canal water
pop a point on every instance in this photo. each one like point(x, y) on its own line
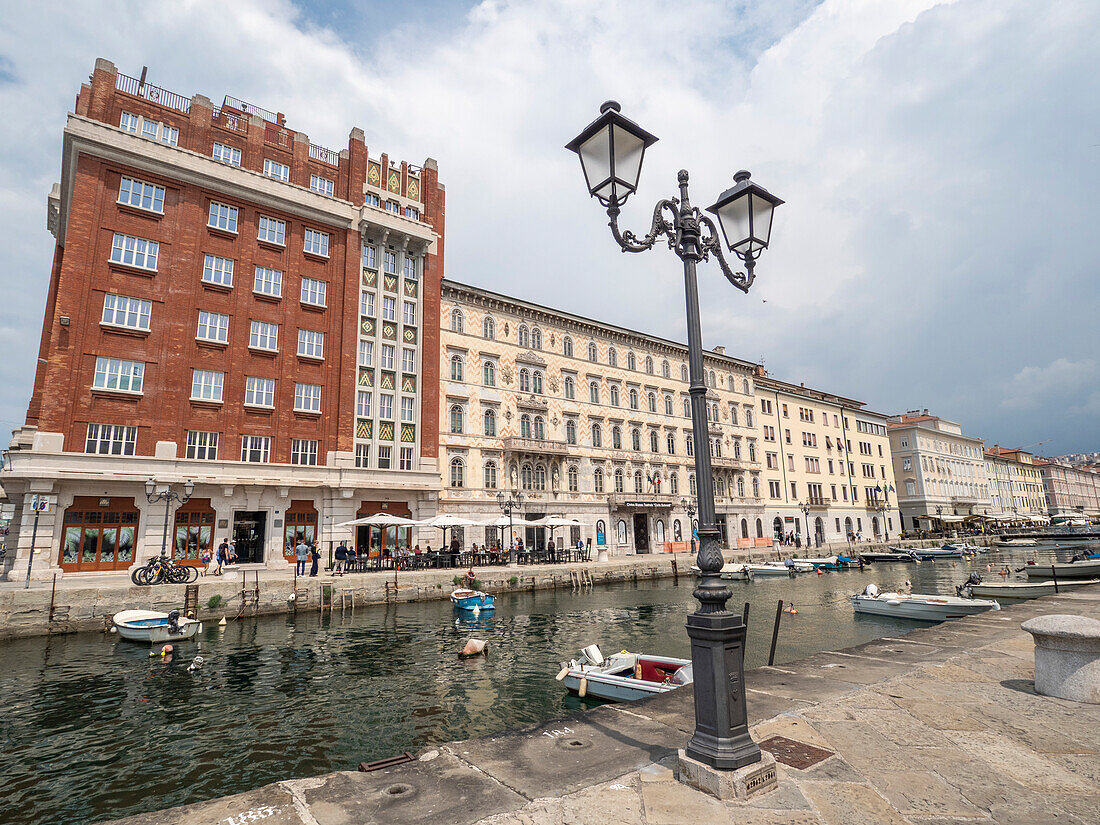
point(93, 728)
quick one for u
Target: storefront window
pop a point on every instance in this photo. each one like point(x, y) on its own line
point(194, 531)
point(300, 525)
point(99, 534)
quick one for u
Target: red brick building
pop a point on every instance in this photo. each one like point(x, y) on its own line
point(233, 305)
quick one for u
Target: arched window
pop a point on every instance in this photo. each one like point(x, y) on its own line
point(649, 365)
point(567, 346)
point(684, 373)
point(653, 441)
point(488, 328)
point(619, 482)
point(456, 419)
point(668, 405)
point(737, 449)
point(691, 485)
point(635, 439)
point(539, 427)
point(489, 374)
point(614, 395)
point(570, 431)
point(525, 426)
point(570, 388)
point(616, 438)
point(620, 528)
point(490, 475)
point(457, 370)
point(612, 357)
point(525, 380)
point(674, 483)
point(592, 355)
point(597, 480)
point(637, 481)
point(536, 382)
point(527, 477)
point(631, 361)
point(670, 443)
point(651, 399)
point(744, 528)
point(745, 388)
point(490, 419)
point(741, 490)
point(666, 370)
point(710, 378)
point(732, 387)
point(524, 336)
point(733, 414)
point(752, 451)
point(677, 532)
point(597, 435)
point(458, 323)
point(572, 479)
point(536, 338)
point(755, 487)
point(633, 399)
point(687, 408)
point(659, 530)
point(458, 473)
point(690, 442)
point(759, 529)
point(777, 527)
point(748, 416)
point(594, 392)
point(540, 477)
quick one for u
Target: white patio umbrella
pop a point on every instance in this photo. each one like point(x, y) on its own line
point(381, 520)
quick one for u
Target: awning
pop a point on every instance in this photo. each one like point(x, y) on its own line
point(951, 519)
point(380, 520)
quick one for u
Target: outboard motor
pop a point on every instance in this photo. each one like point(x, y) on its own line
point(974, 578)
point(174, 622)
point(871, 590)
point(592, 655)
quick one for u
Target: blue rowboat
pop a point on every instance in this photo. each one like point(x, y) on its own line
point(472, 600)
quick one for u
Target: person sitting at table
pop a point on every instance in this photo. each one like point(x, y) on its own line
point(550, 549)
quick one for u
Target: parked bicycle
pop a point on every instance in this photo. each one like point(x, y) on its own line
point(162, 570)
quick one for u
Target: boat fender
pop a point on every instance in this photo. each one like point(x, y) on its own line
point(113, 629)
point(562, 673)
point(871, 590)
point(583, 689)
point(292, 597)
point(474, 647)
point(820, 572)
point(637, 668)
point(196, 664)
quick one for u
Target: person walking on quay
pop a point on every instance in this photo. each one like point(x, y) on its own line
point(316, 556)
point(205, 559)
point(341, 559)
point(222, 556)
point(231, 557)
point(798, 541)
point(301, 553)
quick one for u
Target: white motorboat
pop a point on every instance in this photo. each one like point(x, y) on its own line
point(928, 608)
point(1015, 543)
point(624, 676)
point(1084, 569)
point(827, 562)
point(734, 572)
point(775, 568)
point(1022, 590)
point(154, 627)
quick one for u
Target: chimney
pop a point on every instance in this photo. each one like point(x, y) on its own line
point(720, 350)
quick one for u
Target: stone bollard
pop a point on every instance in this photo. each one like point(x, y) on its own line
point(1067, 656)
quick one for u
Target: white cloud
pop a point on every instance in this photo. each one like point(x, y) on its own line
point(1054, 383)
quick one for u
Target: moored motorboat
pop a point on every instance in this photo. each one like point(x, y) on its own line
point(928, 608)
point(1084, 569)
point(1015, 543)
point(828, 562)
point(937, 553)
point(153, 627)
point(772, 568)
point(734, 572)
point(472, 600)
point(1021, 590)
point(896, 554)
point(624, 676)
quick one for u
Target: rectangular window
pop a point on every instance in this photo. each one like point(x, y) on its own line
point(213, 326)
point(137, 252)
point(406, 458)
point(264, 336)
point(202, 445)
point(151, 129)
point(272, 230)
point(385, 406)
point(794, 490)
point(366, 353)
point(120, 311)
point(321, 185)
point(389, 308)
point(362, 404)
point(772, 461)
point(774, 489)
point(223, 216)
point(393, 206)
point(408, 360)
point(366, 304)
point(256, 448)
point(384, 453)
point(409, 317)
point(227, 154)
point(307, 397)
point(907, 463)
point(110, 439)
point(118, 374)
point(303, 451)
point(387, 356)
point(259, 392)
point(217, 270)
point(311, 344)
point(412, 212)
point(362, 455)
point(410, 268)
point(268, 282)
point(141, 195)
point(370, 257)
point(206, 385)
point(130, 123)
point(372, 199)
point(315, 243)
point(274, 169)
point(406, 408)
point(313, 292)
point(389, 262)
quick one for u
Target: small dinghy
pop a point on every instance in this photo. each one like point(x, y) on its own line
point(153, 627)
point(624, 676)
point(948, 551)
point(779, 568)
point(896, 554)
point(928, 608)
point(1020, 590)
point(1015, 543)
point(1081, 569)
point(472, 600)
point(731, 571)
point(828, 562)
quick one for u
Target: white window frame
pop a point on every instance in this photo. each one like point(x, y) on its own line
point(128, 250)
point(226, 153)
point(311, 344)
point(213, 327)
point(275, 169)
point(119, 375)
point(315, 242)
point(223, 217)
point(138, 194)
point(322, 185)
point(314, 292)
point(409, 313)
point(303, 451)
point(259, 392)
point(201, 445)
point(217, 270)
point(260, 444)
point(363, 399)
point(124, 312)
point(271, 230)
point(307, 397)
point(389, 308)
point(366, 353)
point(149, 129)
point(264, 336)
point(207, 385)
point(110, 439)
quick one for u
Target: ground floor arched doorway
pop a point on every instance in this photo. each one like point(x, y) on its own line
point(777, 528)
point(819, 531)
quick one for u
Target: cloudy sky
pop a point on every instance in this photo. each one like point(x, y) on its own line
point(940, 163)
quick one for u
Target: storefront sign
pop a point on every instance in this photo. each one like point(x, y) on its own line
point(644, 504)
point(788, 519)
point(601, 538)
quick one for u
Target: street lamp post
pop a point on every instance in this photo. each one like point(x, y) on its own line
point(805, 508)
point(167, 495)
point(690, 507)
point(513, 501)
point(939, 516)
point(611, 149)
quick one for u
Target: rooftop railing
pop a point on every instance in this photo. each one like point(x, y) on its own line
point(324, 155)
point(240, 105)
point(230, 120)
point(154, 94)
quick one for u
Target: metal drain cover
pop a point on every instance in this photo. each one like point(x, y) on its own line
point(797, 755)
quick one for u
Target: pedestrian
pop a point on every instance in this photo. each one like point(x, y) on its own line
point(313, 554)
point(222, 556)
point(798, 541)
point(205, 559)
point(341, 559)
point(301, 553)
point(455, 552)
point(232, 557)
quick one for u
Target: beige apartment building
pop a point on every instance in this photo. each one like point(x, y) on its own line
point(827, 465)
point(1070, 491)
point(589, 421)
point(1028, 497)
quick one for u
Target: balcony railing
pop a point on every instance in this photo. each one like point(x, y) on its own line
point(819, 503)
point(541, 446)
point(324, 155)
point(277, 136)
point(154, 94)
point(229, 120)
point(240, 105)
point(728, 462)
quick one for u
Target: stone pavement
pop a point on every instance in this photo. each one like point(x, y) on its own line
point(939, 726)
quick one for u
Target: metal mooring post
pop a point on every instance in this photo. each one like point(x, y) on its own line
point(775, 632)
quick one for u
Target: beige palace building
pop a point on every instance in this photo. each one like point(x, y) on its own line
point(828, 471)
point(589, 421)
